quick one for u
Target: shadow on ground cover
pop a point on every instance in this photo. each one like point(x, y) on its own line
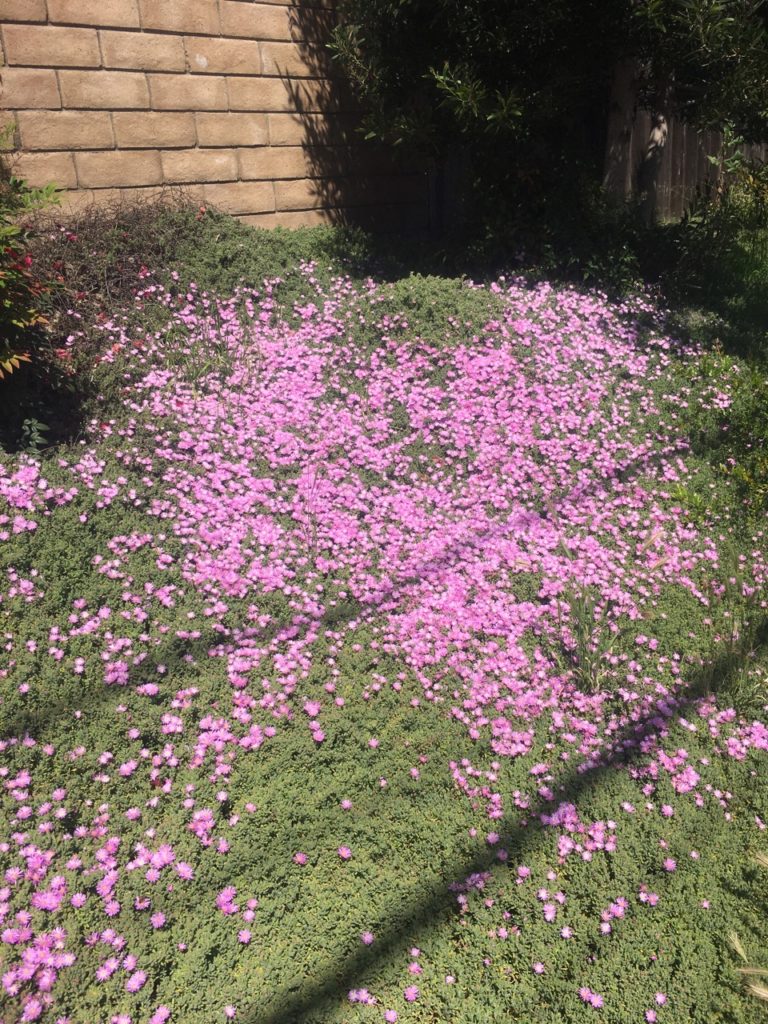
point(721, 673)
point(307, 935)
point(331, 978)
point(424, 907)
point(434, 908)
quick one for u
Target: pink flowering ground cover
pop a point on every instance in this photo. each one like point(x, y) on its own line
point(358, 665)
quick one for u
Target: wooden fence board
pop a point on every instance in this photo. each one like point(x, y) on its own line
point(684, 170)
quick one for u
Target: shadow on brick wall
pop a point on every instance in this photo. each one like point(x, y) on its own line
point(353, 180)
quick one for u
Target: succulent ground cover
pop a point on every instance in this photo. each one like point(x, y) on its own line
point(383, 655)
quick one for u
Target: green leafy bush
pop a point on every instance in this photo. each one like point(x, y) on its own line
point(732, 429)
point(719, 252)
point(21, 288)
point(513, 101)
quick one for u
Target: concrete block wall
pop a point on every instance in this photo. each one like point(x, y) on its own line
point(231, 99)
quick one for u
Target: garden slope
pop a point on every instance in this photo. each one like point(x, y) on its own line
point(349, 673)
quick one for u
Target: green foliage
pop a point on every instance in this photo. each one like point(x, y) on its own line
point(427, 70)
point(515, 99)
point(714, 52)
point(33, 436)
point(595, 241)
point(427, 305)
point(101, 257)
point(588, 636)
point(98, 260)
point(21, 288)
point(732, 432)
point(410, 838)
point(755, 977)
point(735, 669)
point(718, 254)
point(221, 253)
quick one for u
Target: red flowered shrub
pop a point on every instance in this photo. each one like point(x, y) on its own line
point(19, 294)
point(20, 286)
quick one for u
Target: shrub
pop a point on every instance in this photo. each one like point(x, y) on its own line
point(512, 101)
point(101, 256)
point(20, 287)
point(720, 248)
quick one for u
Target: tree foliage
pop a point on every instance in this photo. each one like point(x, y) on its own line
point(20, 288)
point(521, 89)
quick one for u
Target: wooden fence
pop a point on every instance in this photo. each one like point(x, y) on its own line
point(683, 169)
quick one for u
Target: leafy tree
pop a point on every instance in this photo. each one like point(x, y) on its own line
point(519, 92)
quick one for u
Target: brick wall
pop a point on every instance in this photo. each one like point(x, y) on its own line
point(231, 99)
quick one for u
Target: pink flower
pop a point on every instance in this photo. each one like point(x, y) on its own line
point(300, 858)
point(344, 852)
point(157, 920)
point(390, 1016)
point(160, 1016)
point(225, 900)
point(135, 982)
point(107, 969)
point(411, 994)
point(670, 864)
point(244, 936)
point(361, 995)
point(538, 967)
point(367, 938)
point(660, 998)
point(33, 1008)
